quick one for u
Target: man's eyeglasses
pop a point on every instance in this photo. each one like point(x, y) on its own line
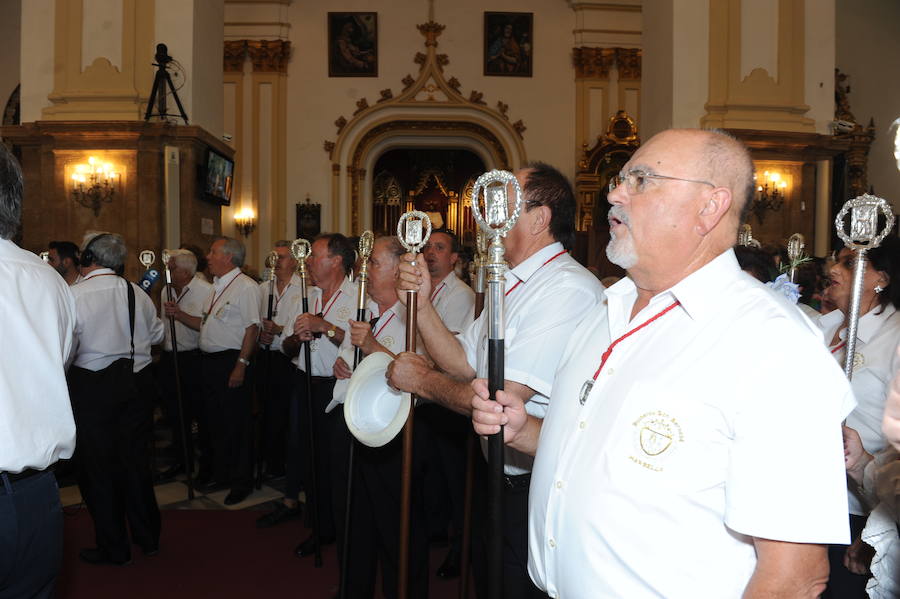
point(635, 180)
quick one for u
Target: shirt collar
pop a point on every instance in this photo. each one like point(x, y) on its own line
point(98, 272)
point(225, 279)
point(871, 322)
point(534, 262)
point(696, 292)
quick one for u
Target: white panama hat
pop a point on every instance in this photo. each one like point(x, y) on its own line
point(374, 411)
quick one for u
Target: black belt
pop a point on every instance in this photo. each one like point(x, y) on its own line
point(517, 481)
point(184, 352)
point(322, 379)
point(14, 477)
point(218, 355)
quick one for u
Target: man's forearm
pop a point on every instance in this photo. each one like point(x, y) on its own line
point(248, 345)
point(526, 440)
point(787, 570)
point(443, 346)
point(192, 322)
point(452, 394)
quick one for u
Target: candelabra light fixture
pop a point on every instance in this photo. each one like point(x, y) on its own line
point(769, 195)
point(95, 184)
point(245, 221)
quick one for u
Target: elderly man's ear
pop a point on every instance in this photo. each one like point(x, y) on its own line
point(714, 209)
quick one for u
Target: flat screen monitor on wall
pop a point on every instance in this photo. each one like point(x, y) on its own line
point(218, 178)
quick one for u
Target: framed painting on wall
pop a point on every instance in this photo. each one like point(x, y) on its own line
point(352, 44)
point(508, 43)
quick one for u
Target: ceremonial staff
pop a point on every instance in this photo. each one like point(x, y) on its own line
point(300, 250)
point(478, 277)
point(413, 230)
point(745, 237)
point(795, 247)
point(366, 241)
point(271, 311)
point(864, 236)
point(496, 223)
point(188, 462)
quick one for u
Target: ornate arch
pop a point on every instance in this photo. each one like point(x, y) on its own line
point(429, 111)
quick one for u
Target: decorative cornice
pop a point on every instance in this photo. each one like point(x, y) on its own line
point(595, 63)
point(234, 55)
point(269, 56)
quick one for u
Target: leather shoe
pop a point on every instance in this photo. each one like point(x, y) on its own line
point(281, 513)
point(170, 472)
point(212, 485)
point(308, 547)
point(237, 496)
point(97, 556)
point(450, 567)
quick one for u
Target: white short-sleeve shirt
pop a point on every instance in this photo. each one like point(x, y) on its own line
point(102, 330)
point(546, 296)
point(655, 486)
point(284, 304)
point(190, 300)
point(454, 301)
point(38, 333)
point(231, 307)
point(875, 362)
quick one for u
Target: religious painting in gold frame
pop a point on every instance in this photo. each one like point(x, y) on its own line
point(508, 44)
point(352, 44)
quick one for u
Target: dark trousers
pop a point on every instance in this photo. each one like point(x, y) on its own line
point(192, 404)
point(230, 414)
point(275, 387)
point(375, 518)
point(842, 583)
point(445, 470)
point(114, 418)
point(31, 536)
point(516, 582)
point(299, 447)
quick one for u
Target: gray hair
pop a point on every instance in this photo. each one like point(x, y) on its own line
point(10, 194)
point(235, 249)
point(108, 249)
point(184, 260)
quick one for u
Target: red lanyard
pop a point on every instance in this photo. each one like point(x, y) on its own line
point(838, 347)
point(436, 291)
point(589, 383)
point(519, 282)
point(384, 325)
point(278, 297)
point(330, 304)
point(217, 297)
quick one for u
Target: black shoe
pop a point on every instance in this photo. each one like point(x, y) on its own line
point(237, 496)
point(150, 550)
point(98, 557)
point(308, 547)
point(281, 513)
point(450, 567)
point(170, 472)
point(212, 486)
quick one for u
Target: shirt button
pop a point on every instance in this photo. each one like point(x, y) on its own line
point(610, 371)
point(582, 425)
point(559, 484)
point(552, 543)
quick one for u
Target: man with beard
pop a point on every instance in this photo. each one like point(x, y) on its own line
point(547, 294)
point(661, 469)
point(63, 256)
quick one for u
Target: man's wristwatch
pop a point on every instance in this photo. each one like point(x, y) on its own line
point(244, 361)
point(331, 332)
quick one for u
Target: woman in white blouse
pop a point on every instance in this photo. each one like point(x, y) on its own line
point(874, 366)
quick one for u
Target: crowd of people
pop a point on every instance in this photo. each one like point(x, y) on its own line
point(686, 431)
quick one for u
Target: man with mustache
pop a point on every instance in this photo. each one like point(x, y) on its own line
point(685, 408)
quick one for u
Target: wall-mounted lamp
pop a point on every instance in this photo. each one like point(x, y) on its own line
point(245, 221)
point(769, 195)
point(94, 184)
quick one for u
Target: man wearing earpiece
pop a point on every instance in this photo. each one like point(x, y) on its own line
point(112, 396)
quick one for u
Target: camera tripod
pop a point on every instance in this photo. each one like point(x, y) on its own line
point(157, 95)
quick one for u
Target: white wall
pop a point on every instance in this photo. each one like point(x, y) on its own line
point(10, 17)
point(544, 102)
point(868, 49)
point(36, 57)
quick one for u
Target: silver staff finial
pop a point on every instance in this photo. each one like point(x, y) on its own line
point(494, 218)
point(414, 229)
point(147, 258)
point(300, 249)
point(864, 233)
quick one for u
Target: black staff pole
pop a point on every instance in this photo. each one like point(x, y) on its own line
point(271, 264)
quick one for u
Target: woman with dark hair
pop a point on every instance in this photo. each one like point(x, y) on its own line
point(876, 360)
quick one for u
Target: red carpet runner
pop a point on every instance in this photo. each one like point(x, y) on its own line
point(211, 553)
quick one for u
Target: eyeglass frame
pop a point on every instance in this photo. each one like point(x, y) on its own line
point(618, 179)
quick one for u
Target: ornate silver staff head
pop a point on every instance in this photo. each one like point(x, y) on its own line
point(166, 256)
point(493, 216)
point(147, 258)
point(366, 243)
point(864, 233)
point(745, 237)
point(795, 247)
point(300, 250)
point(413, 229)
point(45, 256)
point(271, 263)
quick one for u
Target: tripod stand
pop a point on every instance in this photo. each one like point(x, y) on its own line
point(158, 96)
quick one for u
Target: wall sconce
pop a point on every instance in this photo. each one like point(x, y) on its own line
point(769, 195)
point(94, 184)
point(245, 221)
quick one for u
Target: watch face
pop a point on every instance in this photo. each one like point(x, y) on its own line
point(330, 332)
